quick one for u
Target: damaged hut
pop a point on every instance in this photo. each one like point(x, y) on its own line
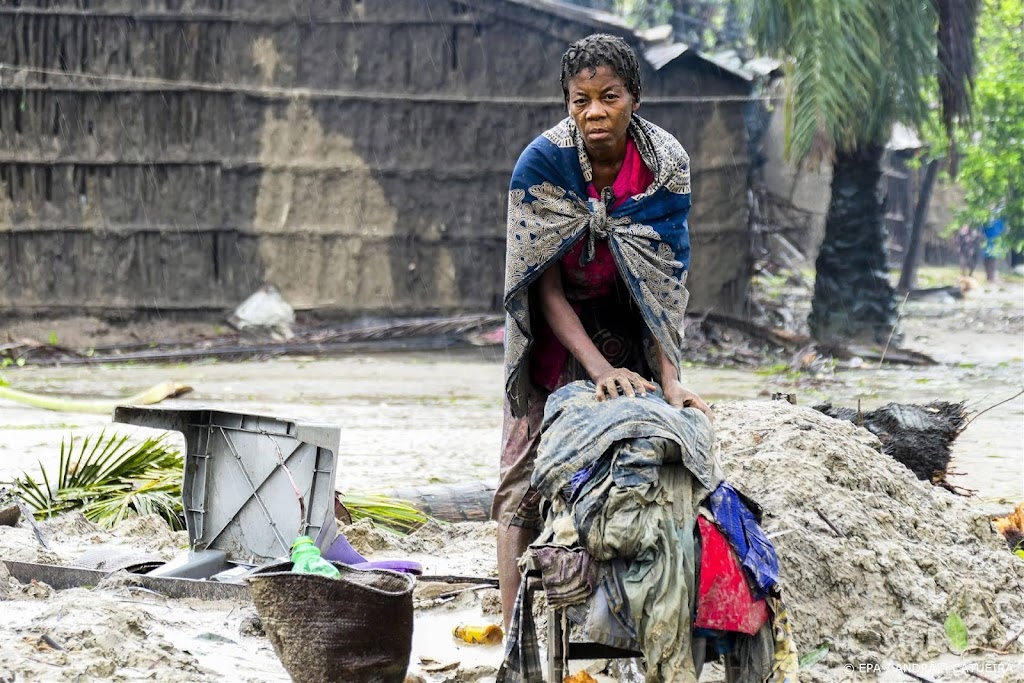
point(355, 154)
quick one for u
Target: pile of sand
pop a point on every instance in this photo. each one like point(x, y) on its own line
point(115, 631)
point(69, 536)
point(910, 553)
point(79, 634)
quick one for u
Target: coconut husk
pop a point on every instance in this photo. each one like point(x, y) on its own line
point(918, 436)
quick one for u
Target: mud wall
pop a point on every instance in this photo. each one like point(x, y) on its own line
point(793, 198)
point(356, 154)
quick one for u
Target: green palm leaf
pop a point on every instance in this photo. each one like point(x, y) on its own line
point(109, 478)
point(857, 66)
point(396, 515)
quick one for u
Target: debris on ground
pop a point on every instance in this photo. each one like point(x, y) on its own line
point(918, 436)
point(407, 334)
point(264, 315)
point(874, 561)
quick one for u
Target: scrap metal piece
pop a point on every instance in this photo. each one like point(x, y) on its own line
point(237, 488)
point(195, 564)
point(62, 578)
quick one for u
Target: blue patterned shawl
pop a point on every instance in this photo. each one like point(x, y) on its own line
point(549, 210)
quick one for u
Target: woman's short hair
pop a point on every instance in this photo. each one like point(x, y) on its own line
point(601, 49)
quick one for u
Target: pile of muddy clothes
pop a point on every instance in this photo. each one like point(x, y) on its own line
point(646, 548)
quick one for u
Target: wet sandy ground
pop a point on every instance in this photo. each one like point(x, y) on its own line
point(419, 418)
point(422, 418)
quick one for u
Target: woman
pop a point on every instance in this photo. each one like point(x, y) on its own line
point(596, 262)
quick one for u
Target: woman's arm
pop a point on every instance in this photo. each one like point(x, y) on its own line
point(675, 394)
point(566, 325)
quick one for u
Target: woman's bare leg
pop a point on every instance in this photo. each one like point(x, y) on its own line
point(512, 543)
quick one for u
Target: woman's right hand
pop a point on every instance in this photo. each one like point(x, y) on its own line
point(630, 383)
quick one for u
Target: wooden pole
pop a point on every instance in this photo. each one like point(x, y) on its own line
point(908, 275)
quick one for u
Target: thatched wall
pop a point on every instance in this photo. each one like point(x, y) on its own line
point(356, 154)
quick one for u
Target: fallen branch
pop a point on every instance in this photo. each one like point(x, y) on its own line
point(470, 589)
point(793, 342)
point(773, 335)
point(982, 412)
point(154, 394)
point(1013, 639)
point(914, 675)
point(893, 356)
point(830, 524)
point(979, 648)
point(970, 672)
point(464, 502)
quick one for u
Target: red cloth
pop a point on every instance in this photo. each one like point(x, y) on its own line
point(592, 281)
point(724, 599)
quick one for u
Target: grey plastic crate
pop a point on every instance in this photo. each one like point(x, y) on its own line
point(237, 498)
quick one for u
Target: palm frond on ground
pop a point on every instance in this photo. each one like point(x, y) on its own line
point(390, 513)
point(108, 478)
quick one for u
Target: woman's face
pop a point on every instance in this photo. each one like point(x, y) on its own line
point(602, 107)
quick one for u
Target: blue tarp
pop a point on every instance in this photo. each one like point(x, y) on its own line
point(739, 524)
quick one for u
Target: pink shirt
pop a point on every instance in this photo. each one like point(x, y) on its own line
point(592, 281)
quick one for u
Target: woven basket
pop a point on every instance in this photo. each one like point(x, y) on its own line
point(354, 629)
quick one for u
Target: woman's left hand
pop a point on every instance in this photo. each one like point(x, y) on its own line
point(678, 396)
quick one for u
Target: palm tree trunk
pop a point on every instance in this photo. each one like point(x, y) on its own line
point(852, 294)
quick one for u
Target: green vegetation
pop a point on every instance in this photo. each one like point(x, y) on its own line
point(395, 515)
point(854, 68)
point(992, 148)
point(108, 479)
point(773, 287)
point(776, 369)
point(813, 656)
point(956, 632)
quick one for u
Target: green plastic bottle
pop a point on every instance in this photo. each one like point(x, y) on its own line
point(306, 559)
